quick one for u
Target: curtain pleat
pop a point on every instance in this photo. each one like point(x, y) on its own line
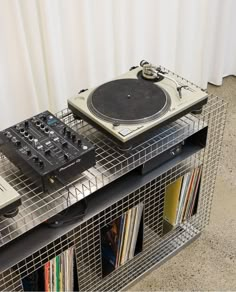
point(49, 50)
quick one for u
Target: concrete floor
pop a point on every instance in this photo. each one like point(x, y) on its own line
point(210, 262)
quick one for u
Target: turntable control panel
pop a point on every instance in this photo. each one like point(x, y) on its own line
point(45, 145)
point(127, 131)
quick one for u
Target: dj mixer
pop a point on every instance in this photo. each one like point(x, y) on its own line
point(45, 147)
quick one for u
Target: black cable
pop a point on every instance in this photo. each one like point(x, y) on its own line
point(60, 218)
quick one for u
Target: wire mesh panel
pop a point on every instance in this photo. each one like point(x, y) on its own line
point(86, 238)
point(10, 280)
point(215, 114)
point(88, 249)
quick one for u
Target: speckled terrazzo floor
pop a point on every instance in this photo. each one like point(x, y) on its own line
point(210, 262)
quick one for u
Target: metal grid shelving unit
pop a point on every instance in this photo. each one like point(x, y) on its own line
point(113, 163)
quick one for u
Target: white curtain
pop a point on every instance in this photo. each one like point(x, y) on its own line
point(49, 49)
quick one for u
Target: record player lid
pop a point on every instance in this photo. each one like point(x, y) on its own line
point(128, 101)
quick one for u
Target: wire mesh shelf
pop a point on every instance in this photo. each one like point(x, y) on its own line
point(113, 163)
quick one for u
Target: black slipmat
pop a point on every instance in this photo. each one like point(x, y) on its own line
point(128, 101)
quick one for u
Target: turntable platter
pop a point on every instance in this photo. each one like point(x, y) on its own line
point(129, 101)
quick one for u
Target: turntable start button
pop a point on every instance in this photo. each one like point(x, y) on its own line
point(125, 132)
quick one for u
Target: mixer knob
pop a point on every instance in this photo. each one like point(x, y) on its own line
point(64, 144)
point(79, 142)
point(26, 124)
point(51, 134)
point(18, 143)
point(42, 126)
point(73, 137)
point(35, 158)
point(44, 118)
point(68, 133)
point(30, 138)
point(14, 139)
point(9, 135)
point(41, 164)
point(47, 152)
point(38, 124)
point(66, 156)
point(17, 127)
point(22, 131)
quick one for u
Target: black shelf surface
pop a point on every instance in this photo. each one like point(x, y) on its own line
point(42, 235)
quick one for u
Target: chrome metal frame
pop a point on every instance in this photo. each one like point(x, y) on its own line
point(112, 163)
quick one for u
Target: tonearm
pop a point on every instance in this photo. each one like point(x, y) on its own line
point(152, 72)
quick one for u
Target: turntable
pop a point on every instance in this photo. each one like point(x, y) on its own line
point(131, 107)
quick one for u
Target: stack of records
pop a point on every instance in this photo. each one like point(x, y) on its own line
point(122, 239)
point(181, 197)
point(59, 274)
